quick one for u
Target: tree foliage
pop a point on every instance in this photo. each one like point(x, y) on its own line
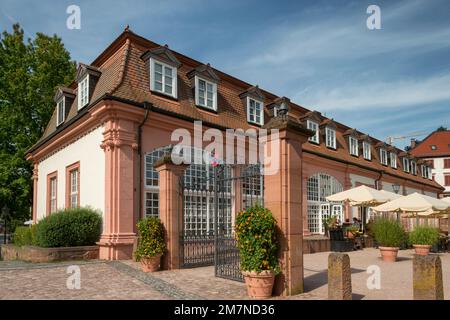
point(30, 71)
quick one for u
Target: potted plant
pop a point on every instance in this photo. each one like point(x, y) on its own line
point(256, 238)
point(330, 224)
point(390, 235)
point(151, 244)
point(422, 238)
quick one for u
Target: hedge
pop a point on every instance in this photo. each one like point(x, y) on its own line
point(69, 228)
point(24, 236)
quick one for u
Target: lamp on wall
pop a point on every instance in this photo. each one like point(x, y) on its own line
point(396, 187)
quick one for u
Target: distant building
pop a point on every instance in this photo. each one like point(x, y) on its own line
point(434, 150)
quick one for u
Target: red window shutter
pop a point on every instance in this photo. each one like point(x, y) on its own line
point(447, 180)
point(447, 163)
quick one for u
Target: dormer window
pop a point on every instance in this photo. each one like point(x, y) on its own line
point(163, 78)
point(429, 173)
point(413, 167)
point(383, 157)
point(87, 78)
point(353, 146)
point(367, 151)
point(255, 111)
point(60, 112)
point(406, 165)
point(393, 159)
point(83, 92)
point(330, 135)
point(205, 93)
point(313, 126)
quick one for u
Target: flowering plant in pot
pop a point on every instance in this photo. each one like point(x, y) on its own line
point(390, 235)
point(151, 244)
point(422, 238)
point(257, 243)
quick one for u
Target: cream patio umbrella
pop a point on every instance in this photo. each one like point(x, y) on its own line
point(363, 196)
point(415, 203)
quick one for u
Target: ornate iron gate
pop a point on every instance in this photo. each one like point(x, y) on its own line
point(212, 197)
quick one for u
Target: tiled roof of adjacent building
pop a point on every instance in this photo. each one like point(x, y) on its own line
point(124, 75)
point(437, 144)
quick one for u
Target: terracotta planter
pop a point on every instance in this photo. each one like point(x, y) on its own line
point(259, 285)
point(422, 249)
point(151, 264)
point(389, 254)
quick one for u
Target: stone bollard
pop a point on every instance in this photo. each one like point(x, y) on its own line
point(427, 278)
point(339, 277)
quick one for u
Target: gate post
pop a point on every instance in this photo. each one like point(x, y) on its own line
point(283, 195)
point(170, 208)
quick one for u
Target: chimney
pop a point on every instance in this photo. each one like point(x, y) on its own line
point(413, 143)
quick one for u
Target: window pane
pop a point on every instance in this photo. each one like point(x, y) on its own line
point(168, 72)
point(158, 68)
point(158, 86)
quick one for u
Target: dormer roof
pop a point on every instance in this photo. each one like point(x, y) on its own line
point(204, 71)
point(163, 54)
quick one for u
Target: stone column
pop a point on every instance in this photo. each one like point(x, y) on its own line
point(170, 208)
point(119, 144)
point(427, 278)
point(339, 277)
point(283, 195)
point(35, 189)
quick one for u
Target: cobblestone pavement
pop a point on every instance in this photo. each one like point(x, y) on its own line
point(124, 280)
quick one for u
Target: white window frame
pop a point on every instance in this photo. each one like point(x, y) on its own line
point(413, 167)
point(74, 190)
point(197, 93)
point(313, 126)
point(174, 93)
point(406, 166)
point(353, 146)
point(383, 156)
point(430, 173)
point(53, 188)
point(83, 92)
point(261, 116)
point(58, 112)
point(367, 151)
point(330, 137)
point(393, 159)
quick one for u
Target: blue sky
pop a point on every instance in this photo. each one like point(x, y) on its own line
point(389, 82)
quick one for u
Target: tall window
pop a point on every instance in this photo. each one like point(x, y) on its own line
point(330, 137)
point(206, 94)
point(164, 78)
point(367, 150)
point(255, 111)
point(413, 167)
point(73, 185)
point(60, 112)
point(313, 126)
point(319, 187)
point(52, 184)
point(383, 157)
point(152, 182)
point(424, 170)
point(353, 146)
point(83, 92)
point(393, 158)
point(430, 175)
point(406, 165)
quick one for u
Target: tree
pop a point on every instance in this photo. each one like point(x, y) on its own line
point(441, 128)
point(30, 71)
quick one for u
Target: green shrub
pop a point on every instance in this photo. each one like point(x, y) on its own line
point(257, 241)
point(424, 235)
point(22, 236)
point(388, 232)
point(151, 238)
point(69, 228)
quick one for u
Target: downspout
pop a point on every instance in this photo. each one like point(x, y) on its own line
point(147, 107)
point(377, 181)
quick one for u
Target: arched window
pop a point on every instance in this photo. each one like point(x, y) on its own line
point(319, 187)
